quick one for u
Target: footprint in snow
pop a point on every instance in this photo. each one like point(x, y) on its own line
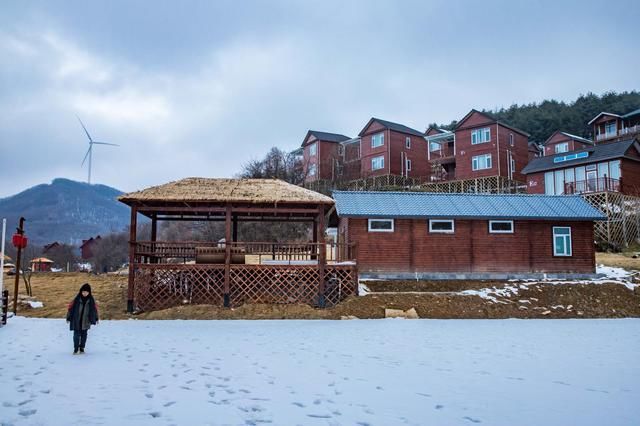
point(472, 420)
point(149, 395)
point(299, 404)
point(169, 404)
point(155, 414)
point(319, 416)
point(439, 407)
point(27, 412)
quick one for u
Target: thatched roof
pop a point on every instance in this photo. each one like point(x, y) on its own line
point(227, 190)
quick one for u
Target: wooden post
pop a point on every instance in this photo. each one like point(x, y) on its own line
point(227, 257)
point(322, 257)
point(154, 235)
point(18, 267)
point(314, 240)
point(132, 249)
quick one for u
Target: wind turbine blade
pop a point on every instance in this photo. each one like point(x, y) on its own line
point(85, 129)
point(85, 156)
point(104, 143)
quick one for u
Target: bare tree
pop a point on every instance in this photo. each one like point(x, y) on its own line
point(110, 252)
point(62, 255)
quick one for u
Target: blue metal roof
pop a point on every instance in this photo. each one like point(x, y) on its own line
point(470, 206)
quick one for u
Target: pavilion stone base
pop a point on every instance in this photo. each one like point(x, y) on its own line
point(161, 286)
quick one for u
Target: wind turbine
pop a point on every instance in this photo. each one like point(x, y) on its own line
point(90, 150)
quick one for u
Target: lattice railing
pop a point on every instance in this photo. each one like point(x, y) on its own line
point(160, 286)
point(622, 226)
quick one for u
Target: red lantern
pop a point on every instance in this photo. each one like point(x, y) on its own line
point(19, 241)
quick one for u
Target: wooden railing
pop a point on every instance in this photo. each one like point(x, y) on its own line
point(592, 185)
point(259, 252)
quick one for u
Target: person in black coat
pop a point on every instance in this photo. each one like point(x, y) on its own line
point(82, 314)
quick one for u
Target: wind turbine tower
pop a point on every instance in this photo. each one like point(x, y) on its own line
point(89, 153)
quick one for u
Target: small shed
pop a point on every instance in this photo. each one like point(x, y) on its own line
point(467, 236)
point(41, 264)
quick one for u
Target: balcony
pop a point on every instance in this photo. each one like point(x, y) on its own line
point(622, 132)
point(445, 154)
point(592, 185)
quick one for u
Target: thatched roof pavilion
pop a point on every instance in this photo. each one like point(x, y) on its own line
point(232, 201)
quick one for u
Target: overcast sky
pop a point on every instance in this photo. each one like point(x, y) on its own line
point(199, 88)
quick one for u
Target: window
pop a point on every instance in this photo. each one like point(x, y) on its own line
point(562, 147)
point(501, 226)
point(408, 165)
point(407, 142)
point(614, 169)
point(480, 136)
point(481, 162)
point(377, 163)
point(377, 140)
point(441, 226)
point(511, 141)
point(434, 146)
point(312, 169)
point(610, 128)
point(340, 149)
point(380, 225)
point(313, 149)
point(561, 241)
point(559, 175)
point(513, 166)
point(548, 183)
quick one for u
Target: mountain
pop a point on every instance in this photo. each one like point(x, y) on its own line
point(65, 211)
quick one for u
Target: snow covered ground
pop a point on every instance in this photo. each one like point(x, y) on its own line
point(360, 372)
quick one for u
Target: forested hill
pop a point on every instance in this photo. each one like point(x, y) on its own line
point(540, 120)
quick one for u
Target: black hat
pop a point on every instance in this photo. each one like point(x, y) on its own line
point(85, 287)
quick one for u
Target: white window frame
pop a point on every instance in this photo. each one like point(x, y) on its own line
point(313, 149)
point(379, 137)
point(475, 162)
point(565, 145)
point(567, 242)
point(492, 231)
point(407, 142)
point(380, 220)
point(479, 136)
point(408, 165)
point(442, 231)
point(381, 158)
point(340, 149)
point(313, 169)
point(511, 139)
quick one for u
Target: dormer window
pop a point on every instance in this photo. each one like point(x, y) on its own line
point(313, 149)
point(562, 147)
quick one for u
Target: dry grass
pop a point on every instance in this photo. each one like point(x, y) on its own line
point(618, 260)
point(56, 290)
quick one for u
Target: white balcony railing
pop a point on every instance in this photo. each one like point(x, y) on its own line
point(622, 132)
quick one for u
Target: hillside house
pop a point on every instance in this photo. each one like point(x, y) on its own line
point(561, 142)
point(87, 246)
point(609, 127)
point(479, 146)
point(411, 235)
point(322, 153)
point(388, 148)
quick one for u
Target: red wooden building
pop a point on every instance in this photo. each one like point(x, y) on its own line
point(611, 166)
point(480, 146)
point(412, 235)
point(86, 248)
point(322, 153)
point(609, 127)
point(388, 148)
point(561, 142)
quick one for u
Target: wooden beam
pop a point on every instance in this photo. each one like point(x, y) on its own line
point(227, 257)
point(132, 248)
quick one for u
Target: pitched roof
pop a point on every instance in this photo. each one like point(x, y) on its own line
point(493, 119)
point(326, 137)
point(601, 152)
point(601, 114)
point(392, 126)
point(211, 190)
point(41, 260)
point(631, 114)
point(418, 205)
point(570, 136)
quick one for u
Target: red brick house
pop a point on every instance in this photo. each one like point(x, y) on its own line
point(560, 142)
point(388, 148)
point(612, 166)
point(411, 235)
point(321, 155)
point(479, 146)
point(87, 246)
point(611, 127)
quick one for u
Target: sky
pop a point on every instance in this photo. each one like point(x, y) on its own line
point(199, 88)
